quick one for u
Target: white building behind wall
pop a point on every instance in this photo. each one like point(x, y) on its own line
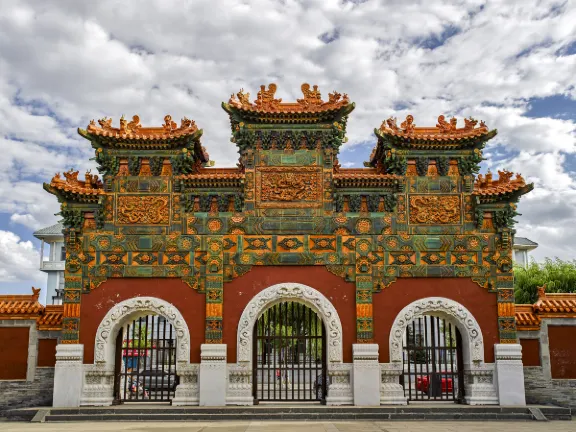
point(521, 248)
point(54, 265)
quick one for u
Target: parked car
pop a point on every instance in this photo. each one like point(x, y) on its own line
point(445, 384)
point(156, 380)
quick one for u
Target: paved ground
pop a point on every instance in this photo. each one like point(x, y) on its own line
point(424, 426)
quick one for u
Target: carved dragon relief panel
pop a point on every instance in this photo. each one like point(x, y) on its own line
point(289, 187)
point(143, 209)
point(435, 209)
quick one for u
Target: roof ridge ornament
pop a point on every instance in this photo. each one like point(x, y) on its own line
point(266, 102)
point(265, 99)
point(133, 129)
point(91, 183)
point(444, 129)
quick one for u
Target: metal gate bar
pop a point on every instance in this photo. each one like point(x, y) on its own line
point(289, 354)
point(432, 353)
point(146, 352)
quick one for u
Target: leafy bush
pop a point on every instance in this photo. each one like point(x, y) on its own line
point(557, 275)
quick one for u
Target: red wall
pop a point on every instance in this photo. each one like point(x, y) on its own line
point(237, 294)
point(96, 304)
point(562, 351)
point(14, 352)
point(240, 291)
point(530, 352)
point(47, 352)
point(481, 303)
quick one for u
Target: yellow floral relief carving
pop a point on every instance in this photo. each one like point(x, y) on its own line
point(143, 210)
point(430, 209)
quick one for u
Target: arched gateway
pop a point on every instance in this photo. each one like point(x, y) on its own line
point(290, 334)
point(126, 334)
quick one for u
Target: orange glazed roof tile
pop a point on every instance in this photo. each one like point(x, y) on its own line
point(526, 319)
point(52, 318)
point(90, 186)
point(134, 131)
point(362, 177)
point(21, 306)
point(504, 184)
point(444, 131)
point(266, 103)
point(215, 176)
point(555, 303)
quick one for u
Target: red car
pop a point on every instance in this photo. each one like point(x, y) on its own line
point(423, 384)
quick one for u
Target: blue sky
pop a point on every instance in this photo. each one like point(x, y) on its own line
point(64, 62)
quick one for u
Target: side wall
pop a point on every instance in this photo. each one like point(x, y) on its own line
point(389, 302)
point(552, 380)
point(26, 364)
point(95, 305)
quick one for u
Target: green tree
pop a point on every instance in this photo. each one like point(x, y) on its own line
point(558, 276)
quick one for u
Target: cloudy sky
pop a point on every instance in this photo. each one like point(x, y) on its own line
point(64, 62)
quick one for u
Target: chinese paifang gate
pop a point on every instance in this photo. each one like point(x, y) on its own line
point(288, 277)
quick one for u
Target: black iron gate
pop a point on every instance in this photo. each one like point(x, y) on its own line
point(146, 361)
point(433, 365)
point(289, 355)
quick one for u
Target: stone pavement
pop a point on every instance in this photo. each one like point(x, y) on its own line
point(286, 426)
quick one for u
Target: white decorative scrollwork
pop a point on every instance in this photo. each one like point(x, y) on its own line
point(129, 309)
point(295, 292)
point(463, 318)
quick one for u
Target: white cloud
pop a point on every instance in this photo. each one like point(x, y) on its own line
point(65, 62)
point(19, 260)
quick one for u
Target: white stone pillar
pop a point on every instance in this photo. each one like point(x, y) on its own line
point(366, 375)
point(68, 375)
point(510, 374)
point(213, 375)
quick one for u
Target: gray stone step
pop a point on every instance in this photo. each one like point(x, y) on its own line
point(277, 412)
point(290, 416)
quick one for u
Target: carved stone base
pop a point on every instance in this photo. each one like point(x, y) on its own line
point(366, 374)
point(213, 375)
point(68, 375)
point(187, 392)
point(510, 374)
point(391, 392)
point(340, 388)
point(239, 385)
point(98, 386)
point(480, 388)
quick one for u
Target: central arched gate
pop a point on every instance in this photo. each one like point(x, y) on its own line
point(289, 354)
point(146, 361)
point(433, 367)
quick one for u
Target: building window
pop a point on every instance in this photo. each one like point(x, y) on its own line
point(57, 299)
point(63, 254)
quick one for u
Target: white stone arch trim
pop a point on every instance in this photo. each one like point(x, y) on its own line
point(473, 349)
point(127, 311)
point(295, 292)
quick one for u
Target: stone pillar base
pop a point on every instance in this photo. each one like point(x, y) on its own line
point(187, 390)
point(510, 374)
point(239, 384)
point(213, 375)
point(340, 388)
point(391, 392)
point(480, 388)
point(366, 376)
point(68, 375)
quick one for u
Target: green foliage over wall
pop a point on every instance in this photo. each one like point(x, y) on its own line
point(557, 275)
